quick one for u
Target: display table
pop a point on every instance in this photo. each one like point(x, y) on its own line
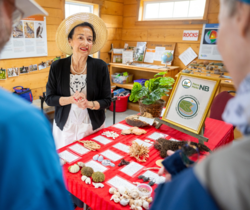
point(218, 132)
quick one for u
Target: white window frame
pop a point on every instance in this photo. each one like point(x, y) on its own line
point(79, 4)
point(173, 18)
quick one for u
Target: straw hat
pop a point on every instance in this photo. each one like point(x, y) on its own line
point(69, 23)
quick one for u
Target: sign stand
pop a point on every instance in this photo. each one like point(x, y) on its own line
point(200, 136)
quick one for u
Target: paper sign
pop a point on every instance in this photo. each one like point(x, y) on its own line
point(127, 56)
point(150, 121)
point(153, 176)
point(79, 149)
point(102, 140)
point(188, 56)
point(111, 155)
point(139, 141)
point(96, 166)
point(68, 156)
point(117, 181)
point(121, 126)
point(158, 53)
point(156, 135)
point(149, 56)
point(190, 35)
point(132, 168)
point(122, 147)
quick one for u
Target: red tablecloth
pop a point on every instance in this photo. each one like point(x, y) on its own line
point(218, 132)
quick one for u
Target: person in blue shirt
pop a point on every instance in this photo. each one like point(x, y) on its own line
point(30, 172)
point(221, 180)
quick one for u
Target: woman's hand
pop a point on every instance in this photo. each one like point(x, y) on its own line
point(163, 171)
point(75, 97)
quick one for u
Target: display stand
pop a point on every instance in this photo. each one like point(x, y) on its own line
point(200, 136)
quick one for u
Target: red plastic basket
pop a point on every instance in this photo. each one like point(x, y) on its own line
point(121, 104)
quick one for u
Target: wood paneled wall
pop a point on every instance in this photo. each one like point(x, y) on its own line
point(163, 33)
point(112, 14)
point(120, 17)
point(37, 80)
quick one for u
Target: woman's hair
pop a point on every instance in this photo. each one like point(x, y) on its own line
point(71, 33)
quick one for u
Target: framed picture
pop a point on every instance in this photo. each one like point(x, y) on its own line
point(42, 65)
point(190, 101)
point(13, 72)
point(33, 67)
point(3, 75)
point(24, 70)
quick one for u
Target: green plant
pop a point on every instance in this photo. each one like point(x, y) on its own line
point(152, 90)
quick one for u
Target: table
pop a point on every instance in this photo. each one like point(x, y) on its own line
point(218, 132)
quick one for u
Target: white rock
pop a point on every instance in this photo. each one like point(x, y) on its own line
point(145, 205)
point(83, 178)
point(88, 181)
point(124, 202)
point(112, 190)
point(74, 169)
point(98, 185)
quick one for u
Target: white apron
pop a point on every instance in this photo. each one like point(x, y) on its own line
point(78, 124)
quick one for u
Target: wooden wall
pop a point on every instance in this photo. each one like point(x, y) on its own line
point(37, 80)
point(163, 33)
point(120, 18)
point(112, 14)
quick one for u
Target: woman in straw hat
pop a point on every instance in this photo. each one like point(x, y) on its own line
point(79, 85)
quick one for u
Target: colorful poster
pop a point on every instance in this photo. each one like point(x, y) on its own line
point(28, 39)
point(208, 45)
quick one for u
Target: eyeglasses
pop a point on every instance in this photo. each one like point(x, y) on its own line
point(189, 154)
point(17, 15)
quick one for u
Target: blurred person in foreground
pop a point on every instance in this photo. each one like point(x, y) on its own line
point(222, 180)
point(30, 172)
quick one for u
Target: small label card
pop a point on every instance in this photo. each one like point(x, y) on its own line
point(132, 168)
point(121, 126)
point(78, 149)
point(111, 155)
point(139, 141)
point(96, 166)
point(153, 176)
point(122, 147)
point(117, 181)
point(102, 140)
point(172, 139)
point(157, 135)
point(150, 121)
point(68, 156)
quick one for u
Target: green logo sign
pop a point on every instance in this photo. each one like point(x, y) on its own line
point(186, 83)
point(187, 107)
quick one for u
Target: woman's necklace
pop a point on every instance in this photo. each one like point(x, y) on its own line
point(75, 72)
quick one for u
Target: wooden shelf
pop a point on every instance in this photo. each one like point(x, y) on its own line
point(126, 86)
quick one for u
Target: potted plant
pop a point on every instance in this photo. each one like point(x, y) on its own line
point(149, 95)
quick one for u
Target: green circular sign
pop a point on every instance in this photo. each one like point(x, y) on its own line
point(187, 107)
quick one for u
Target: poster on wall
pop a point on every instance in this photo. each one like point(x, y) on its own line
point(190, 101)
point(28, 39)
point(208, 45)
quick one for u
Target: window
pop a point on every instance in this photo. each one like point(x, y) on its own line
point(73, 8)
point(173, 9)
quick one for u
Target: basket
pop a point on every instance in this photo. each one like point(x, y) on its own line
point(154, 109)
point(121, 104)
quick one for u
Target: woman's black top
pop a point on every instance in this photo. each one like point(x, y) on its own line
point(98, 89)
